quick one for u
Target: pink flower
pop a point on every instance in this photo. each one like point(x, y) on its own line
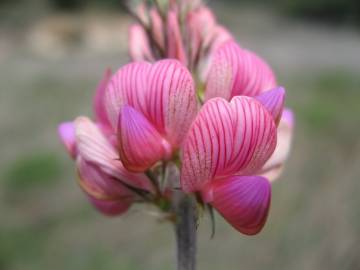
point(150, 106)
point(236, 71)
point(225, 150)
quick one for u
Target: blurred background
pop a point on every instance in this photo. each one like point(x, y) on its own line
point(53, 53)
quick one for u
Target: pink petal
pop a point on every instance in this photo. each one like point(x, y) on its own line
point(227, 139)
point(93, 147)
point(235, 71)
point(163, 92)
point(139, 47)
point(109, 208)
point(99, 105)
point(273, 167)
point(273, 100)
point(175, 43)
point(244, 201)
point(157, 27)
point(66, 132)
point(140, 145)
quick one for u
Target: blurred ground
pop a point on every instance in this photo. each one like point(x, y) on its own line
point(49, 69)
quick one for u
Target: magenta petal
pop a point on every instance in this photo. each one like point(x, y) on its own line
point(66, 132)
point(109, 208)
point(244, 201)
point(99, 100)
point(273, 100)
point(140, 145)
point(288, 117)
point(227, 139)
point(235, 71)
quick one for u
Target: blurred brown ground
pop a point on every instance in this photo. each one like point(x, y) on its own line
point(49, 68)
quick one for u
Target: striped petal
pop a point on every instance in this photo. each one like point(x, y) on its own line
point(139, 47)
point(170, 100)
point(66, 133)
point(163, 92)
point(93, 147)
point(175, 45)
point(99, 105)
point(235, 71)
point(274, 166)
point(140, 145)
point(244, 201)
point(227, 139)
point(273, 100)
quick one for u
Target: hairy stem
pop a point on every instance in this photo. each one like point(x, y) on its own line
point(185, 229)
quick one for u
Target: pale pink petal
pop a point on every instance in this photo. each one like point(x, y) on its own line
point(66, 132)
point(157, 27)
point(140, 145)
point(244, 201)
point(142, 13)
point(273, 100)
point(109, 208)
point(235, 71)
point(99, 102)
point(139, 46)
point(201, 23)
point(220, 35)
point(171, 103)
point(175, 44)
point(127, 86)
point(274, 166)
point(93, 147)
point(227, 139)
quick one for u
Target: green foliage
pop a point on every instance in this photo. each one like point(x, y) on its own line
point(32, 171)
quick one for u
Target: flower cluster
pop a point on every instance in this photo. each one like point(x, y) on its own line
point(193, 100)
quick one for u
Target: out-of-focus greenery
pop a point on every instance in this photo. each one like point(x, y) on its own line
point(344, 11)
point(334, 11)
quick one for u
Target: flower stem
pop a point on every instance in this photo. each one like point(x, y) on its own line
point(185, 229)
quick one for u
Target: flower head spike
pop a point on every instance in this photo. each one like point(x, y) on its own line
point(182, 30)
point(150, 134)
